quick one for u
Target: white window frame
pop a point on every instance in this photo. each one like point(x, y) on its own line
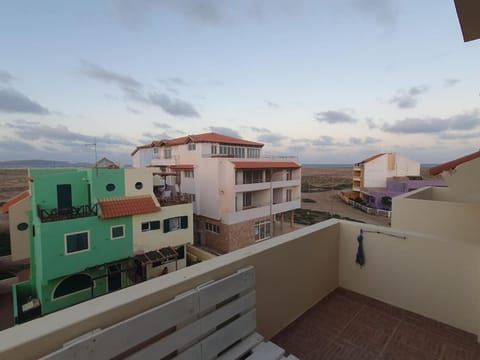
point(189, 174)
point(257, 228)
point(80, 251)
point(192, 147)
point(118, 237)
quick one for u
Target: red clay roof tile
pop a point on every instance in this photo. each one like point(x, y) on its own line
point(127, 206)
point(181, 167)
point(14, 200)
point(453, 164)
point(266, 165)
point(370, 158)
point(200, 138)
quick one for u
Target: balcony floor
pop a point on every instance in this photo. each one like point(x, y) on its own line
point(347, 325)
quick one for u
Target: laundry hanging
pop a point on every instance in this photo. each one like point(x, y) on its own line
point(360, 259)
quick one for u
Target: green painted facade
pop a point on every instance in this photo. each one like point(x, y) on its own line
point(49, 239)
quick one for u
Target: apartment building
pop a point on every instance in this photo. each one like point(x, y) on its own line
point(89, 232)
point(239, 196)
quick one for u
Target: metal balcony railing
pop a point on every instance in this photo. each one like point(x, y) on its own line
point(74, 212)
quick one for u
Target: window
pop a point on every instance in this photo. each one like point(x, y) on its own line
point(77, 242)
point(252, 176)
point(181, 252)
point(155, 150)
point(150, 225)
point(192, 147)
point(188, 173)
point(213, 149)
point(253, 153)
point(175, 223)
point(22, 226)
point(73, 284)
point(233, 151)
point(167, 153)
point(288, 195)
point(247, 200)
point(117, 232)
point(110, 187)
point(289, 174)
point(262, 230)
point(212, 228)
point(138, 185)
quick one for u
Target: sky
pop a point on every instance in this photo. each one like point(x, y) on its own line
point(329, 81)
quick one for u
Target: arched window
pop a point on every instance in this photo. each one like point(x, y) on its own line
point(73, 284)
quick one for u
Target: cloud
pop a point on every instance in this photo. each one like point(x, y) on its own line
point(96, 72)
point(5, 77)
point(173, 106)
point(365, 141)
point(225, 131)
point(175, 81)
point(459, 136)
point(408, 99)
point(12, 101)
point(451, 82)
point(161, 125)
point(273, 104)
point(382, 11)
point(335, 117)
point(324, 140)
point(272, 139)
point(133, 111)
point(60, 134)
point(135, 13)
point(257, 129)
point(467, 121)
point(371, 123)
point(134, 91)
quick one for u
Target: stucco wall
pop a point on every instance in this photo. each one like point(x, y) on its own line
point(450, 220)
point(143, 176)
point(464, 181)
point(283, 291)
point(20, 240)
point(429, 276)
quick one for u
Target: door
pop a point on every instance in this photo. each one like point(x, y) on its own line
point(64, 196)
point(114, 278)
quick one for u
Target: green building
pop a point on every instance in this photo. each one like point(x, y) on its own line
point(81, 236)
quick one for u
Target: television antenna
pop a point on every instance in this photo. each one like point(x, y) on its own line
point(94, 144)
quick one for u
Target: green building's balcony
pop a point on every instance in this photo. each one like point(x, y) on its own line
point(74, 212)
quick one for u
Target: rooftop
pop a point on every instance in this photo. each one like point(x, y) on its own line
point(453, 164)
point(416, 297)
point(14, 200)
point(127, 206)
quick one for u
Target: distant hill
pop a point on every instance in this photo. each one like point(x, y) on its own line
point(15, 164)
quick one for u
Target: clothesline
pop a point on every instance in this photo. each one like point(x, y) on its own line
point(385, 233)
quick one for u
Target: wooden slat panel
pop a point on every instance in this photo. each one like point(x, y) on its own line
point(266, 351)
point(218, 291)
point(192, 353)
point(228, 335)
point(291, 357)
point(127, 334)
point(242, 348)
point(196, 330)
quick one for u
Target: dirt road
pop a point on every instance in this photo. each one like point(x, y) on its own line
point(330, 202)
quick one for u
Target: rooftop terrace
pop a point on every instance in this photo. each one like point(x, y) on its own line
point(416, 297)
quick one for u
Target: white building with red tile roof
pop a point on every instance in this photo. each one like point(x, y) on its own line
point(239, 196)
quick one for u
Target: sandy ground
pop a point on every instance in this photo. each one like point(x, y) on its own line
point(330, 202)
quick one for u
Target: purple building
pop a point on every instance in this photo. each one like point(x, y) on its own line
point(381, 198)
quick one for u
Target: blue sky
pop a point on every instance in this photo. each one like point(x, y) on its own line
point(330, 81)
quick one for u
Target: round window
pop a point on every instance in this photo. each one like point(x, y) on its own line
point(138, 185)
point(22, 226)
point(110, 187)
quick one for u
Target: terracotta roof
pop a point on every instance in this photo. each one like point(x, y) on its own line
point(371, 158)
point(266, 165)
point(210, 137)
point(454, 163)
point(127, 206)
point(182, 167)
point(14, 200)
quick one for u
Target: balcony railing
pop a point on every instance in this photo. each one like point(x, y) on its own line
point(176, 200)
point(74, 212)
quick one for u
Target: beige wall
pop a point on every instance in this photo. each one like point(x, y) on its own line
point(464, 181)
point(284, 291)
point(432, 277)
point(20, 240)
point(456, 221)
point(143, 175)
point(157, 239)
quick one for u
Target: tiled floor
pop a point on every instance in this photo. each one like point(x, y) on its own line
point(347, 325)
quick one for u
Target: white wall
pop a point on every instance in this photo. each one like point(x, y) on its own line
point(143, 175)
point(376, 171)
